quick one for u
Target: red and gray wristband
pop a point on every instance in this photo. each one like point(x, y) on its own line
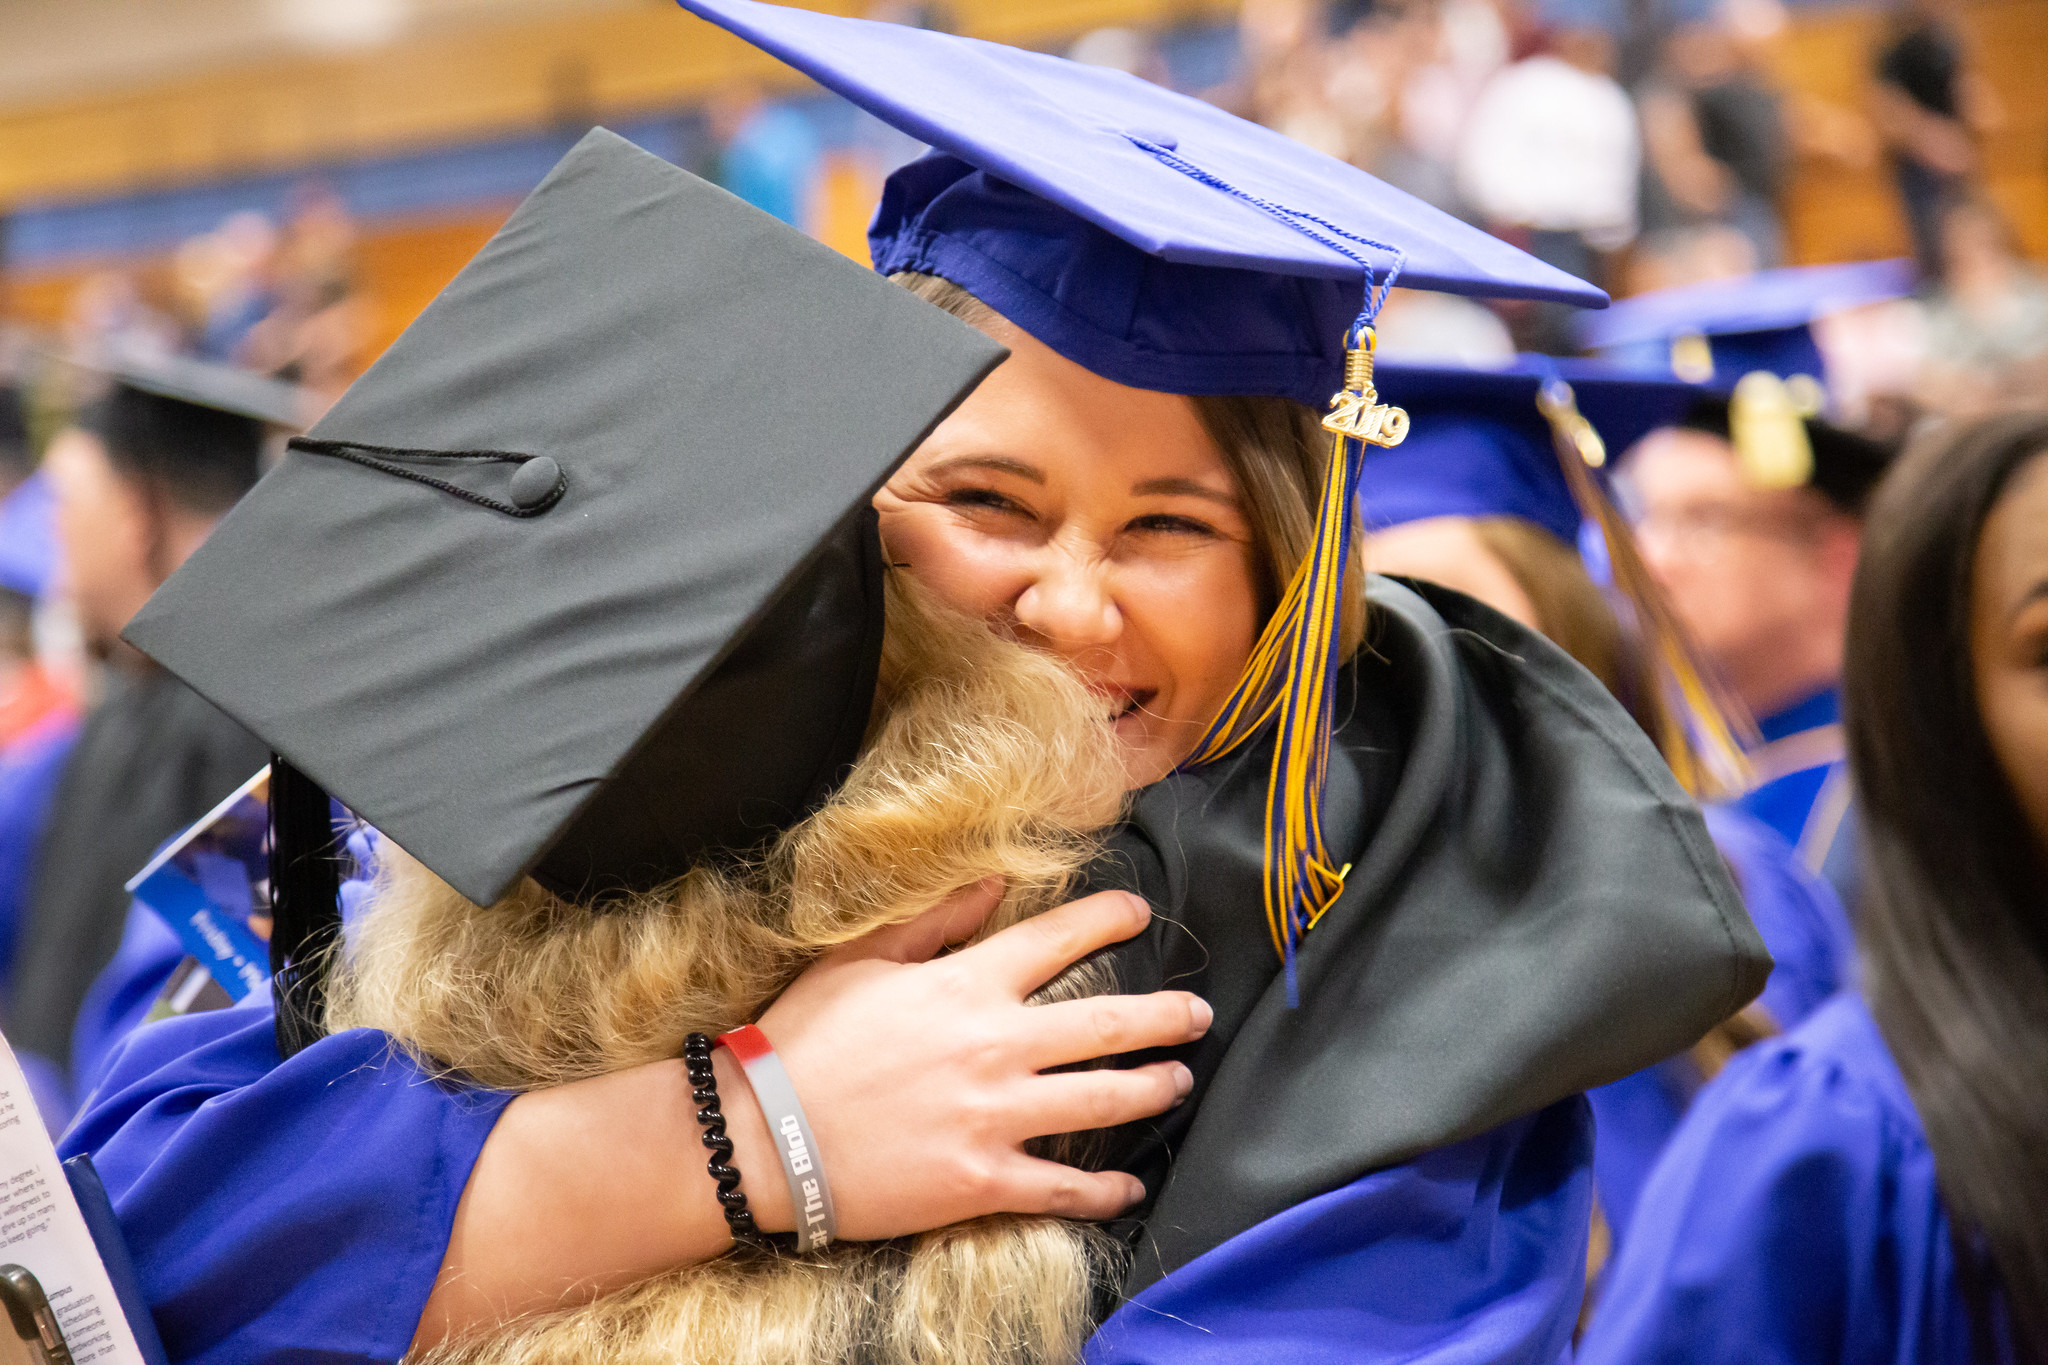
point(809, 1196)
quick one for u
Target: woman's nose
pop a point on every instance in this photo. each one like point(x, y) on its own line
point(1068, 604)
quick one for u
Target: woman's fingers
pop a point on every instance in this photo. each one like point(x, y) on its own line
point(1065, 1192)
point(1108, 1025)
point(1077, 1101)
point(953, 920)
point(1026, 956)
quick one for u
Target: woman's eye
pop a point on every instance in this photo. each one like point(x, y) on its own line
point(986, 498)
point(1165, 521)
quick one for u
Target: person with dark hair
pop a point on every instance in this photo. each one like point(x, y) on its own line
point(1714, 143)
point(1874, 1185)
point(1930, 106)
point(140, 476)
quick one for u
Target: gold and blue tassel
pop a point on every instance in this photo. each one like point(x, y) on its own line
point(1292, 673)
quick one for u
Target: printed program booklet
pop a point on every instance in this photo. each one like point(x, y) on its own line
point(211, 885)
point(42, 1230)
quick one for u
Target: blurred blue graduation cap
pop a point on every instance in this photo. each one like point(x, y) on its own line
point(1531, 440)
point(1721, 330)
point(1481, 447)
point(1150, 237)
point(28, 537)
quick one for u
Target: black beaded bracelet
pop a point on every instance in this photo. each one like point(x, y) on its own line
point(704, 1091)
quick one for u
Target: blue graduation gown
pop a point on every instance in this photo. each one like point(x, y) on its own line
point(1472, 1253)
point(1794, 1219)
point(275, 1210)
point(1808, 933)
point(305, 1206)
point(1803, 789)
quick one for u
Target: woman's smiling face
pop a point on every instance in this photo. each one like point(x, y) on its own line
point(1096, 521)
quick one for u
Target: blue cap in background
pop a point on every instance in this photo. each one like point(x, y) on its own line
point(1480, 447)
point(1722, 330)
point(1152, 238)
point(28, 537)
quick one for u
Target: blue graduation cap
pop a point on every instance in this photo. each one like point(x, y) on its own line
point(1165, 244)
point(1531, 441)
point(1150, 237)
point(28, 537)
point(1721, 330)
point(1480, 445)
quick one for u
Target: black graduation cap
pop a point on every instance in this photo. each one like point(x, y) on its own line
point(1843, 466)
point(197, 425)
point(581, 579)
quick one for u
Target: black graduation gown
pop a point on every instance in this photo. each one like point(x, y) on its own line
point(153, 757)
point(1534, 908)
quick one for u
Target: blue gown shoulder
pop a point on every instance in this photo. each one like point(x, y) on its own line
point(280, 1210)
point(1473, 1252)
point(1795, 1217)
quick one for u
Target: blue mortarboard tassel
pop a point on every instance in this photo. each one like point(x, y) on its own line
point(1292, 672)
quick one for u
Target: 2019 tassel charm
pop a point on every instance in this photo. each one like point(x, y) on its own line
point(1356, 411)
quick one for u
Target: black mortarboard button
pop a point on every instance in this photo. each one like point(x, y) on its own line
point(539, 483)
point(678, 658)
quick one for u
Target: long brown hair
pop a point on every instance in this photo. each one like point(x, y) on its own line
point(1954, 925)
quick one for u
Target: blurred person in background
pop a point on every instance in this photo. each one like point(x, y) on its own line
point(228, 278)
point(1760, 576)
point(1550, 158)
point(1987, 318)
point(1874, 1185)
point(30, 693)
point(1930, 108)
point(1463, 43)
point(1673, 257)
point(314, 332)
point(111, 312)
point(1475, 499)
point(140, 476)
point(38, 724)
point(1714, 142)
point(767, 152)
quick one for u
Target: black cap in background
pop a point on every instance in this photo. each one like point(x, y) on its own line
point(581, 578)
point(1846, 466)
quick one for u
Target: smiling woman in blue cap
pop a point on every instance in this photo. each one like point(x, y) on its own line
point(577, 563)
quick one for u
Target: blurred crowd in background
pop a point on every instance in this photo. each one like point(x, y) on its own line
point(1639, 144)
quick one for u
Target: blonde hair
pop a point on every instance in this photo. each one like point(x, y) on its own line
point(983, 759)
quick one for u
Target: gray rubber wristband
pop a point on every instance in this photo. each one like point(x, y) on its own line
point(810, 1196)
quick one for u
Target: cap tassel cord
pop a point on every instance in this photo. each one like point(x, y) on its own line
point(1292, 673)
point(1704, 728)
point(305, 905)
